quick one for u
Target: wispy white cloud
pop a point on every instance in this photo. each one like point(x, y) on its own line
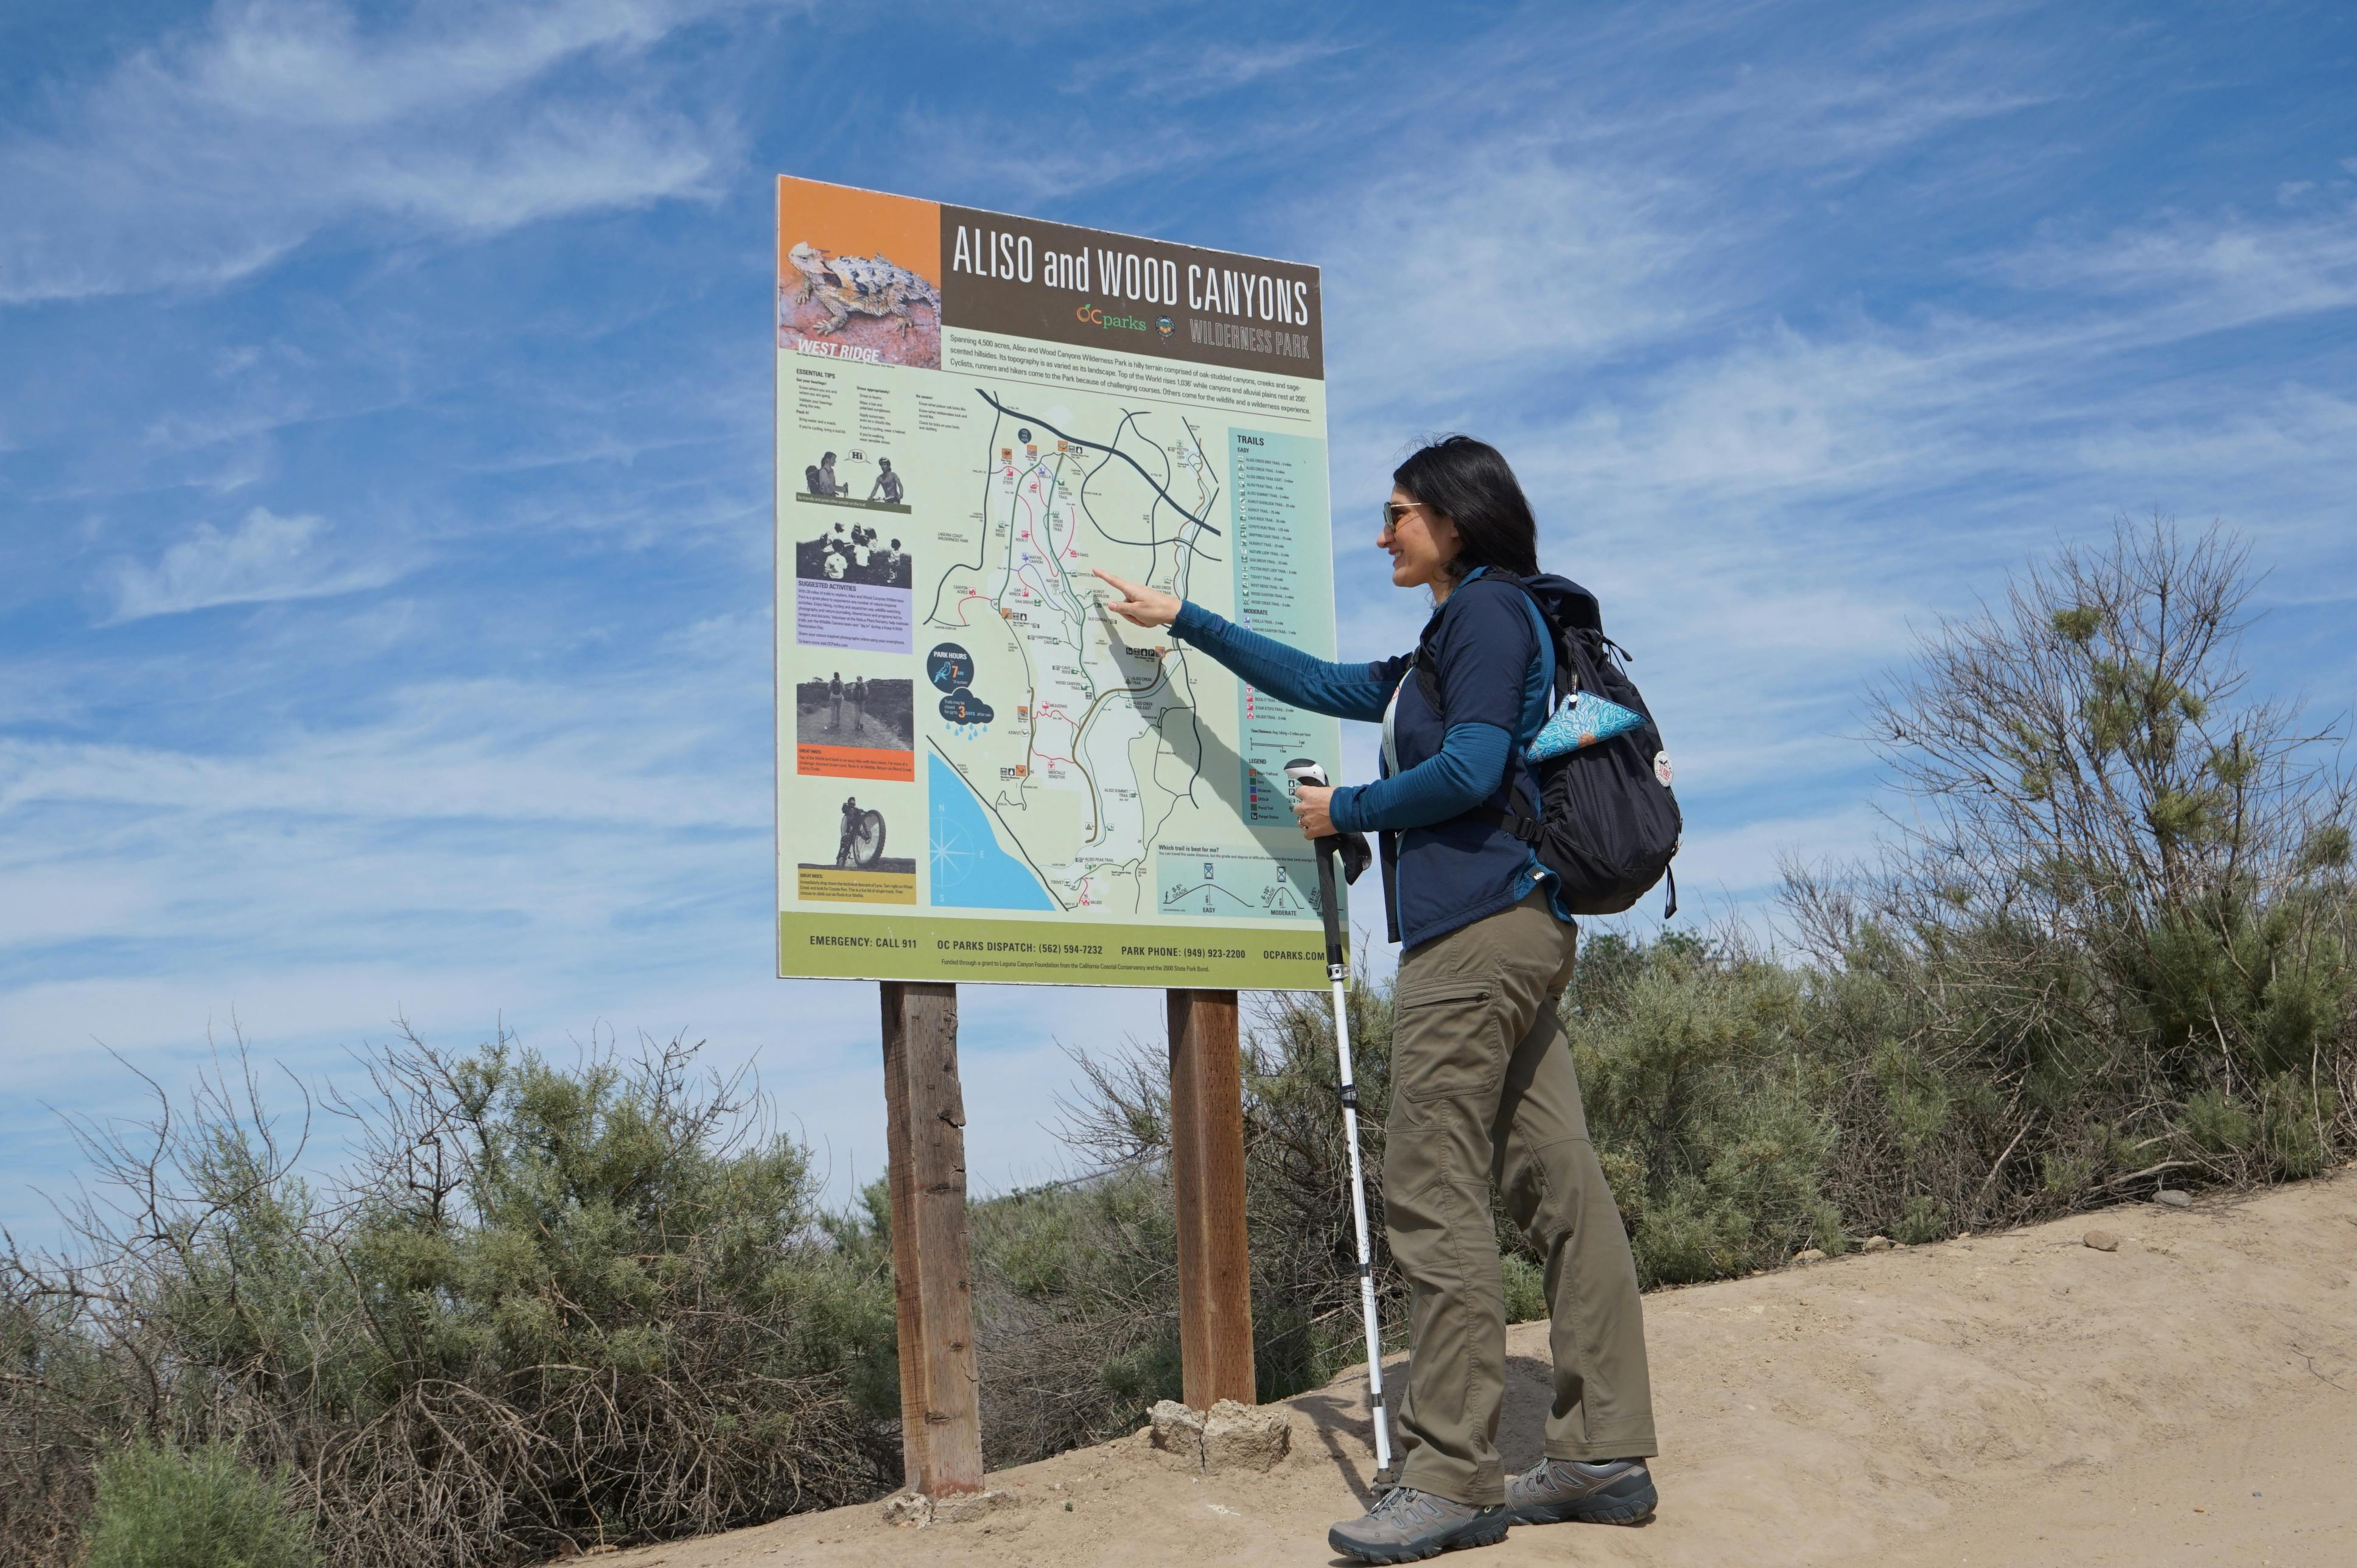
point(2297, 436)
point(1832, 120)
point(1743, 862)
point(205, 157)
point(2192, 275)
point(1510, 253)
point(1179, 70)
point(264, 557)
point(965, 160)
point(615, 750)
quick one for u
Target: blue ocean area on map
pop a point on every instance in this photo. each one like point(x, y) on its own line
point(970, 871)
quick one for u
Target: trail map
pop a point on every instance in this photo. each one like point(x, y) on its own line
point(1031, 789)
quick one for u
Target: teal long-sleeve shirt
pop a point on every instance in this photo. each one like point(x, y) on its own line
point(1465, 771)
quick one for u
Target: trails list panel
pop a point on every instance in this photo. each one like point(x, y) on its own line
point(983, 774)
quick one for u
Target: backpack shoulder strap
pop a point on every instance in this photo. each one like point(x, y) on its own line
point(1427, 678)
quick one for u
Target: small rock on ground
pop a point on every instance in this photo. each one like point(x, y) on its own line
point(1231, 1435)
point(1177, 1429)
point(2173, 1198)
point(1877, 1244)
point(2103, 1241)
point(1239, 1436)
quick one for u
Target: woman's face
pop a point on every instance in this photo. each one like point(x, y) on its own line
point(1422, 543)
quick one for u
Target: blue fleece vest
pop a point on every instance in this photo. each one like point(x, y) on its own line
point(1493, 665)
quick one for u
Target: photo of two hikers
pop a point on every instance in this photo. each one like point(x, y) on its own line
point(939, 785)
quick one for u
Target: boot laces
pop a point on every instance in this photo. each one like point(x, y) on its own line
point(1406, 1505)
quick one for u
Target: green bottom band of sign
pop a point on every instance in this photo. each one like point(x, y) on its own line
point(1018, 953)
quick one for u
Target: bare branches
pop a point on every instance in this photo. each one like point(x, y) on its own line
point(2119, 892)
point(2083, 758)
point(1305, 1269)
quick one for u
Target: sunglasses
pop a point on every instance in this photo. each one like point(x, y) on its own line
point(1394, 510)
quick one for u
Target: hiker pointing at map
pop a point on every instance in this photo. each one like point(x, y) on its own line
point(1484, 1085)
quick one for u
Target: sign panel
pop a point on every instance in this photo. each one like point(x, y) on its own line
point(982, 775)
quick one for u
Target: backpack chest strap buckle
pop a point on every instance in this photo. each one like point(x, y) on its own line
point(1514, 822)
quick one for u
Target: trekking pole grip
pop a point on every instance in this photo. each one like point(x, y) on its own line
point(1329, 905)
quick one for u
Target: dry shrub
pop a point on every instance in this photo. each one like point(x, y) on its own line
point(544, 1307)
point(2114, 942)
point(1074, 1322)
point(1305, 1269)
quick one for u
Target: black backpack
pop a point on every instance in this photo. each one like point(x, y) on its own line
point(1608, 823)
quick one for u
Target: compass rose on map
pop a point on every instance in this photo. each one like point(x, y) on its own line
point(953, 856)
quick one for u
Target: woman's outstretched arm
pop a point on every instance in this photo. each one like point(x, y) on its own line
point(1345, 690)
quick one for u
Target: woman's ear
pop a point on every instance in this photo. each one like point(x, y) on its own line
point(1450, 543)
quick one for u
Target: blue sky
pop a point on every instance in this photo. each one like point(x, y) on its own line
point(384, 459)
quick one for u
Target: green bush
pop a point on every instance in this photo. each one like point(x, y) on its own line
point(206, 1508)
point(1526, 1299)
point(546, 1307)
point(1705, 1105)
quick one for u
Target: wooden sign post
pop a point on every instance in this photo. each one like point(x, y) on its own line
point(940, 1388)
point(1207, 1175)
point(940, 1405)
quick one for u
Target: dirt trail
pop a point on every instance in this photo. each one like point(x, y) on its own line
point(2014, 1399)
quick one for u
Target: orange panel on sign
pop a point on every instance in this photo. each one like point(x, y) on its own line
point(842, 221)
point(854, 762)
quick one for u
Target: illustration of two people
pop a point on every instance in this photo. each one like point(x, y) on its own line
point(820, 479)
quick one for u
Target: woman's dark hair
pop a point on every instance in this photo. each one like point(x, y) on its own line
point(1468, 482)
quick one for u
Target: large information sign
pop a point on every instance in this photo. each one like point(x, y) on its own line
point(982, 775)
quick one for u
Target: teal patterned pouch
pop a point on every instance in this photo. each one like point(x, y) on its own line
point(1584, 719)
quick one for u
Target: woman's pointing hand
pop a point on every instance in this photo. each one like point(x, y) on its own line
point(1139, 605)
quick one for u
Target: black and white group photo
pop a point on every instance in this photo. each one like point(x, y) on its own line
point(850, 551)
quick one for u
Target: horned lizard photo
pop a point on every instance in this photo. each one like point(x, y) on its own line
point(866, 302)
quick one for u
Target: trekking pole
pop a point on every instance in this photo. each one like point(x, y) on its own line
point(1300, 771)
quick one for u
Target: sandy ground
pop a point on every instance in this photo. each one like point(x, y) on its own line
point(2012, 1399)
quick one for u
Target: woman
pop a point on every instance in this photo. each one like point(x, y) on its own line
point(1482, 1084)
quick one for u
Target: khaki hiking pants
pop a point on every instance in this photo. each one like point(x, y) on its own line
point(1484, 1090)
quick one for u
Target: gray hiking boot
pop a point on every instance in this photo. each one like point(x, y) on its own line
point(1405, 1525)
point(1601, 1491)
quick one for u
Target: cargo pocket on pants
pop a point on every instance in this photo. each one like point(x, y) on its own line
point(1447, 1040)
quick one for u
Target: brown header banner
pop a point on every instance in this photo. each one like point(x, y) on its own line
point(1027, 278)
